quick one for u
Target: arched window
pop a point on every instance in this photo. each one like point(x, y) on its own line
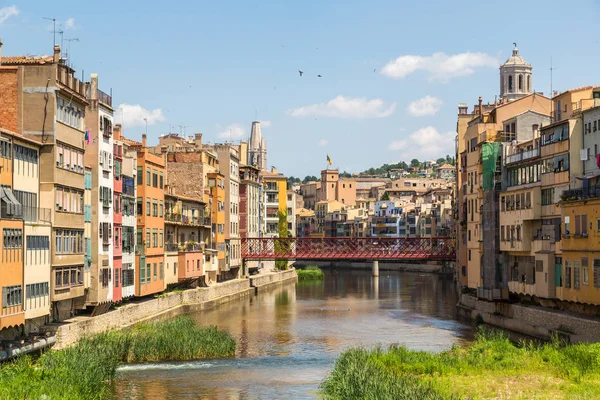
point(510, 83)
point(529, 83)
point(520, 82)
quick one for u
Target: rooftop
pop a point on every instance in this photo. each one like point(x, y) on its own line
point(19, 60)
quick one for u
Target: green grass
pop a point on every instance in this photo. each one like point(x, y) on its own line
point(310, 273)
point(86, 370)
point(491, 367)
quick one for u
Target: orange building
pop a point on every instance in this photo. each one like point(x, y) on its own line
point(216, 183)
point(149, 259)
point(11, 227)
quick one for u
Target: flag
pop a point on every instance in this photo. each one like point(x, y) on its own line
point(87, 136)
point(329, 159)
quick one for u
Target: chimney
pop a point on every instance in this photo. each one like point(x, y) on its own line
point(480, 107)
point(94, 86)
point(143, 140)
point(117, 132)
point(56, 57)
point(274, 170)
point(198, 140)
point(0, 51)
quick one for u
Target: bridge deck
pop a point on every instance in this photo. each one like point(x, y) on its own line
point(399, 249)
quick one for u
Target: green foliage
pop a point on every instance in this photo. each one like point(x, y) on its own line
point(345, 175)
point(491, 367)
point(309, 178)
point(310, 273)
point(415, 163)
point(282, 246)
point(293, 179)
point(87, 369)
point(385, 196)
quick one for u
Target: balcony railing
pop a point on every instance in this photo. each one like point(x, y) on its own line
point(140, 249)
point(36, 214)
point(591, 192)
point(522, 156)
point(104, 98)
point(171, 247)
point(384, 220)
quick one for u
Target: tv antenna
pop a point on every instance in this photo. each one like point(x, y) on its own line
point(53, 29)
point(69, 50)
point(182, 129)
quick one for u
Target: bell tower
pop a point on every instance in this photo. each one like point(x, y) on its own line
point(515, 77)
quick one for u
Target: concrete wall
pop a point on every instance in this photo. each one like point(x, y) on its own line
point(267, 281)
point(173, 303)
point(531, 320)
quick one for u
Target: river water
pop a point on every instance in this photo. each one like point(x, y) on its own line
point(288, 338)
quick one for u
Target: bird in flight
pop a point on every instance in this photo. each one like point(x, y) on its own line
point(319, 76)
point(374, 69)
point(300, 72)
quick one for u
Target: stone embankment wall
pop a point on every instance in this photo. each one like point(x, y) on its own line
point(532, 320)
point(166, 306)
point(267, 281)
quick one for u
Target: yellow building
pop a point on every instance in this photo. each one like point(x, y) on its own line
point(216, 184)
point(274, 199)
point(578, 279)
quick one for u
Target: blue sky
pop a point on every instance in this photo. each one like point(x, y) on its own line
point(212, 66)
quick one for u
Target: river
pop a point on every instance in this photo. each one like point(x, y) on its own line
point(288, 338)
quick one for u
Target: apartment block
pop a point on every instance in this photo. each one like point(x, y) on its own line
point(250, 210)
point(216, 184)
point(99, 155)
point(125, 180)
point(274, 200)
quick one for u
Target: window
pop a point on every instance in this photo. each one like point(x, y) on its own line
point(147, 237)
point(576, 274)
point(148, 206)
point(68, 241)
point(584, 270)
point(12, 296)
point(5, 149)
point(155, 237)
point(147, 176)
point(36, 290)
point(547, 196)
point(155, 270)
point(520, 82)
point(596, 272)
point(154, 208)
point(160, 180)
point(140, 176)
point(140, 204)
point(160, 238)
point(558, 271)
point(160, 208)
point(567, 274)
point(69, 158)
point(65, 277)
point(162, 270)
point(510, 83)
point(567, 225)
point(154, 178)
point(69, 200)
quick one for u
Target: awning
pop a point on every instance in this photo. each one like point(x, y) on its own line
point(12, 204)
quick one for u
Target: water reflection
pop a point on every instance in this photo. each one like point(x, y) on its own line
point(288, 338)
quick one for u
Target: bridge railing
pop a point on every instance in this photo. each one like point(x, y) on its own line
point(436, 248)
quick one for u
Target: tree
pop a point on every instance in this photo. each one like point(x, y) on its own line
point(309, 178)
point(414, 162)
point(441, 161)
point(402, 165)
point(345, 175)
point(449, 160)
point(282, 246)
point(385, 196)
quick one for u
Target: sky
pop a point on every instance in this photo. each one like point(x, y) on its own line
point(392, 72)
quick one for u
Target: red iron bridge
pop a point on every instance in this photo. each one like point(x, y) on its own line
point(397, 249)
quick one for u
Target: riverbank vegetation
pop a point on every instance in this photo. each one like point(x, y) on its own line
point(86, 370)
point(310, 273)
point(491, 367)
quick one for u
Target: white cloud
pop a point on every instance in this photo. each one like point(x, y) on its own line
point(425, 143)
point(428, 105)
point(7, 12)
point(440, 66)
point(323, 142)
point(233, 132)
point(265, 124)
point(70, 23)
point(134, 114)
point(346, 107)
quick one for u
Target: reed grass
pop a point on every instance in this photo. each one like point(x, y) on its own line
point(491, 367)
point(87, 369)
point(310, 273)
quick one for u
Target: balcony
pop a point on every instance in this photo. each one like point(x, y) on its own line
point(104, 98)
point(384, 220)
point(171, 247)
point(591, 192)
point(271, 187)
point(525, 155)
point(556, 147)
point(182, 219)
point(128, 186)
